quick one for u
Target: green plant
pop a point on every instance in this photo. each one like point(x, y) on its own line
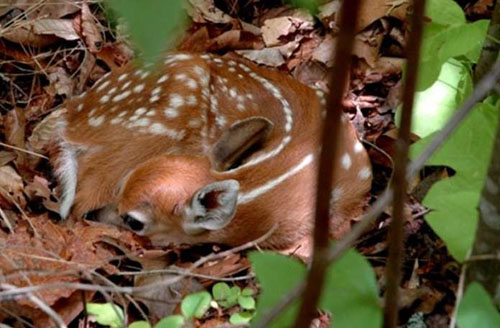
point(228, 297)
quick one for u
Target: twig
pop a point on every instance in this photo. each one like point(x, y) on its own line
point(400, 183)
point(23, 150)
point(42, 306)
point(482, 89)
point(329, 153)
point(459, 295)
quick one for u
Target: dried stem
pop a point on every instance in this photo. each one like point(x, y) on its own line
point(329, 153)
point(399, 182)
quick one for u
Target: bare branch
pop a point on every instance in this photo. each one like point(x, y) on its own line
point(399, 182)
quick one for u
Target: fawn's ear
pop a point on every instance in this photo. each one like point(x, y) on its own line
point(211, 208)
point(238, 139)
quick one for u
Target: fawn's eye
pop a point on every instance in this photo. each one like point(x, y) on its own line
point(131, 222)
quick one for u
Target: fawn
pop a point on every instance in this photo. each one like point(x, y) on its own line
point(205, 149)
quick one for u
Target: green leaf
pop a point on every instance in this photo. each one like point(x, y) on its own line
point(277, 274)
point(444, 12)
point(107, 314)
point(463, 39)
point(434, 106)
point(476, 309)
point(220, 291)
point(151, 25)
point(241, 318)
point(454, 200)
point(172, 321)
point(139, 324)
point(195, 305)
point(442, 43)
point(247, 291)
point(351, 293)
point(311, 5)
point(246, 302)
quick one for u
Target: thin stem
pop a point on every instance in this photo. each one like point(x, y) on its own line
point(399, 182)
point(331, 141)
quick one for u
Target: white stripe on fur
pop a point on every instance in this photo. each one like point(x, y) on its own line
point(252, 194)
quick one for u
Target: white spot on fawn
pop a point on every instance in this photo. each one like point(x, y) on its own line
point(139, 111)
point(346, 161)
point(191, 100)
point(162, 79)
point(126, 85)
point(358, 147)
point(79, 108)
point(176, 100)
point(103, 85)
point(171, 112)
point(194, 123)
point(121, 96)
point(138, 88)
point(192, 84)
point(104, 99)
point(96, 121)
point(122, 77)
point(365, 173)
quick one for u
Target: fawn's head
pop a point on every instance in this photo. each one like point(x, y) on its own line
point(173, 198)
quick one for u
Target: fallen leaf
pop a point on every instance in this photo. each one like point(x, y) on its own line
point(61, 80)
point(47, 9)
point(275, 28)
point(44, 132)
point(267, 56)
point(62, 28)
point(90, 31)
point(11, 184)
point(203, 11)
point(38, 190)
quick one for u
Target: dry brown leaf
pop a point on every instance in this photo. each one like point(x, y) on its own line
point(10, 180)
point(275, 28)
point(225, 267)
point(324, 52)
point(367, 46)
point(15, 125)
point(38, 190)
point(6, 157)
point(45, 131)
point(62, 28)
point(267, 56)
point(370, 11)
point(47, 9)
point(62, 82)
point(312, 73)
point(90, 30)
point(163, 300)
point(58, 250)
point(24, 35)
point(203, 11)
